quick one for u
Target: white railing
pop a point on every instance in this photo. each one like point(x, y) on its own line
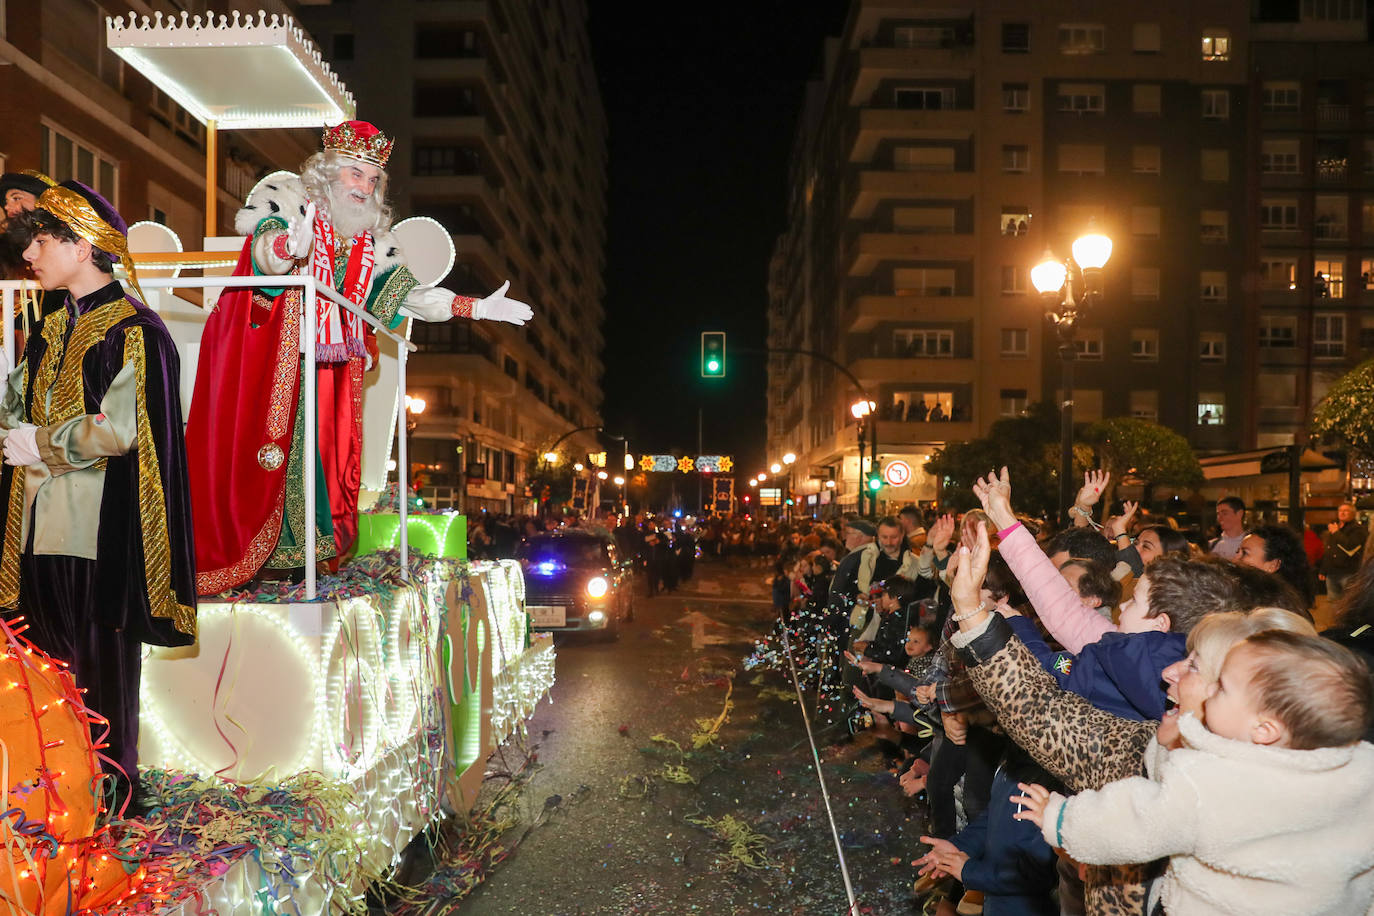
point(9, 290)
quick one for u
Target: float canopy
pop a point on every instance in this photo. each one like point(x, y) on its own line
point(234, 73)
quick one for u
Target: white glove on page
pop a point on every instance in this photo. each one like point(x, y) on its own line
point(300, 234)
point(500, 307)
point(21, 447)
point(429, 303)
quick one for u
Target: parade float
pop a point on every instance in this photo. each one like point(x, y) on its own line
point(313, 730)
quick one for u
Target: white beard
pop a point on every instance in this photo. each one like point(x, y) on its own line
point(348, 215)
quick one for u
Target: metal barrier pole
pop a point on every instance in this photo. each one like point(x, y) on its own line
point(308, 386)
point(402, 462)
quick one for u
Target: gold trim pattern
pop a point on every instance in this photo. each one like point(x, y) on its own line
point(286, 375)
point(398, 284)
point(214, 581)
point(14, 521)
point(152, 505)
point(69, 394)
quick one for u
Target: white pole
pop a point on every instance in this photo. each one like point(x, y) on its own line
point(308, 386)
point(402, 463)
point(9, 295)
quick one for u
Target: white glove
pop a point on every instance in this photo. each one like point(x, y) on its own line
point(21, 446)
point(500, 307)
point(300, 234)
point(429, 303)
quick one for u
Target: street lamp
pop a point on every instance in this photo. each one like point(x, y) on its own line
point(414, 407)
point(789, 458)
point(862, 409)
point(1068, 289)
point(551, 457)
point(753, 481)
point(775, 468)
point(619, 481)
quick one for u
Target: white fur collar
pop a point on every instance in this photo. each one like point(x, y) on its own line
point(1196, 735)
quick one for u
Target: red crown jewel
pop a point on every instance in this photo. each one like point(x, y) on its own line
point(359, 140)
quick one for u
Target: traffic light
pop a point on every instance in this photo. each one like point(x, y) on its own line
point(875, 482)
point(713, 354)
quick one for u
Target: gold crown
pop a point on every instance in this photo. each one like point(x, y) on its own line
point(359, 140)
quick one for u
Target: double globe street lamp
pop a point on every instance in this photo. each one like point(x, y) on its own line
point(1068, 289)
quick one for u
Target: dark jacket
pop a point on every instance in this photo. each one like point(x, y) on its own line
point(1359, 640)
point(1119, 674)
point(1009, 860)
point(1344, 549)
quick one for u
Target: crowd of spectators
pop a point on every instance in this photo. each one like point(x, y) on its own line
point(1119, 717)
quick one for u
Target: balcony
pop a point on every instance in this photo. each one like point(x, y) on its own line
point(865, 250)
point(1329, 230)
point(868, 127)
point(894, 434)
point(1333, 171)
point(864, 312)
point(1333, 114)
point(871, 187)
point(879, 370)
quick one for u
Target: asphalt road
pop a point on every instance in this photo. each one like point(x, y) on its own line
point(609, 824)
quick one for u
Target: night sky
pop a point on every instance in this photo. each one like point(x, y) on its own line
point(702, 112)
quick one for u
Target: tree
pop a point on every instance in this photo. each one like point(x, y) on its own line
point(1028, 446)
point(1149, 452)
point(1346, 415)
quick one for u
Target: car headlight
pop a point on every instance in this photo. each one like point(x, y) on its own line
point(597, 587)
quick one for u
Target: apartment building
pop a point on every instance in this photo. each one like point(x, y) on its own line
point(944, 151)
point(72, 109)
point(501, 137)
point(1310, 307)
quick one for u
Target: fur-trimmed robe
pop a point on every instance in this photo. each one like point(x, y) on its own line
point(243, 442)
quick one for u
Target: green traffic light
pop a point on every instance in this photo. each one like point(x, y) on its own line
point(713, 365)
point(874, 483)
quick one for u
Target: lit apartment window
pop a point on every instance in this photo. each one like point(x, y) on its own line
point(1216, 104)
point(1212, 347)
point(1212, 285)
point(1145, 405)
point(935, 99)
point(1332, 274)
point(1145, 282)
point(1016, 158)
point(1015, 38)
point(1278, 215)
point(1333, 10)
point(1214, 165)
point(1278, 332)
point(1145, 160)
point(1279, 157)
point(1328, 335)
point(1279, 273)
point(1216, 44)
point(1215, 226)
point(1082, 98)
point(1145, 345)
point(1082, 38)
point(923, 343)
point(1146, 98)
point(1015, 342)
point(1211, 408)
point(1088, 344)
point(1013, 402)
point(1016, 98)
point(1280, 97)
point(1145, 222)
point(1082, 158)
point(1013, 280)
point(1145, 38)
point(1015, 220)
point(63, 157)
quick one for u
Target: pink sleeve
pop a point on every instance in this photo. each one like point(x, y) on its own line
point(1054, 599)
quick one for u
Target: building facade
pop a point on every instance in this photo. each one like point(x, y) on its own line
point(501, 137)
point(946, 149)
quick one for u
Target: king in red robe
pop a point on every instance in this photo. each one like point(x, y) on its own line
point(243, 440)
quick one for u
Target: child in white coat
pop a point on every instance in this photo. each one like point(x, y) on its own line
point(1268, 809)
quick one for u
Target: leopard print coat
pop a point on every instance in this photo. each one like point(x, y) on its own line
point(1075, 741)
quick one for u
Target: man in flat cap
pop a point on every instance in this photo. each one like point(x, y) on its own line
point(97, 552)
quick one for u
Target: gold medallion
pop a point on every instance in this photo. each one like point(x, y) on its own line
point(270, 456)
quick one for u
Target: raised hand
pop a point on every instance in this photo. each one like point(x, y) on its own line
point(1120, 524)
point(940, 533)
point(866, 665)
point(300, 234)
point(1094, 485)
point(938, 847)
point(994, 492)
point(966, 587)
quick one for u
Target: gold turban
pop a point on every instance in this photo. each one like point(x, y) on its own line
point(77, 212)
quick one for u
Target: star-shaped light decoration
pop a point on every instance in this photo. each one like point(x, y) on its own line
point(646, 463)
point(685, 465)
point(727, 464)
